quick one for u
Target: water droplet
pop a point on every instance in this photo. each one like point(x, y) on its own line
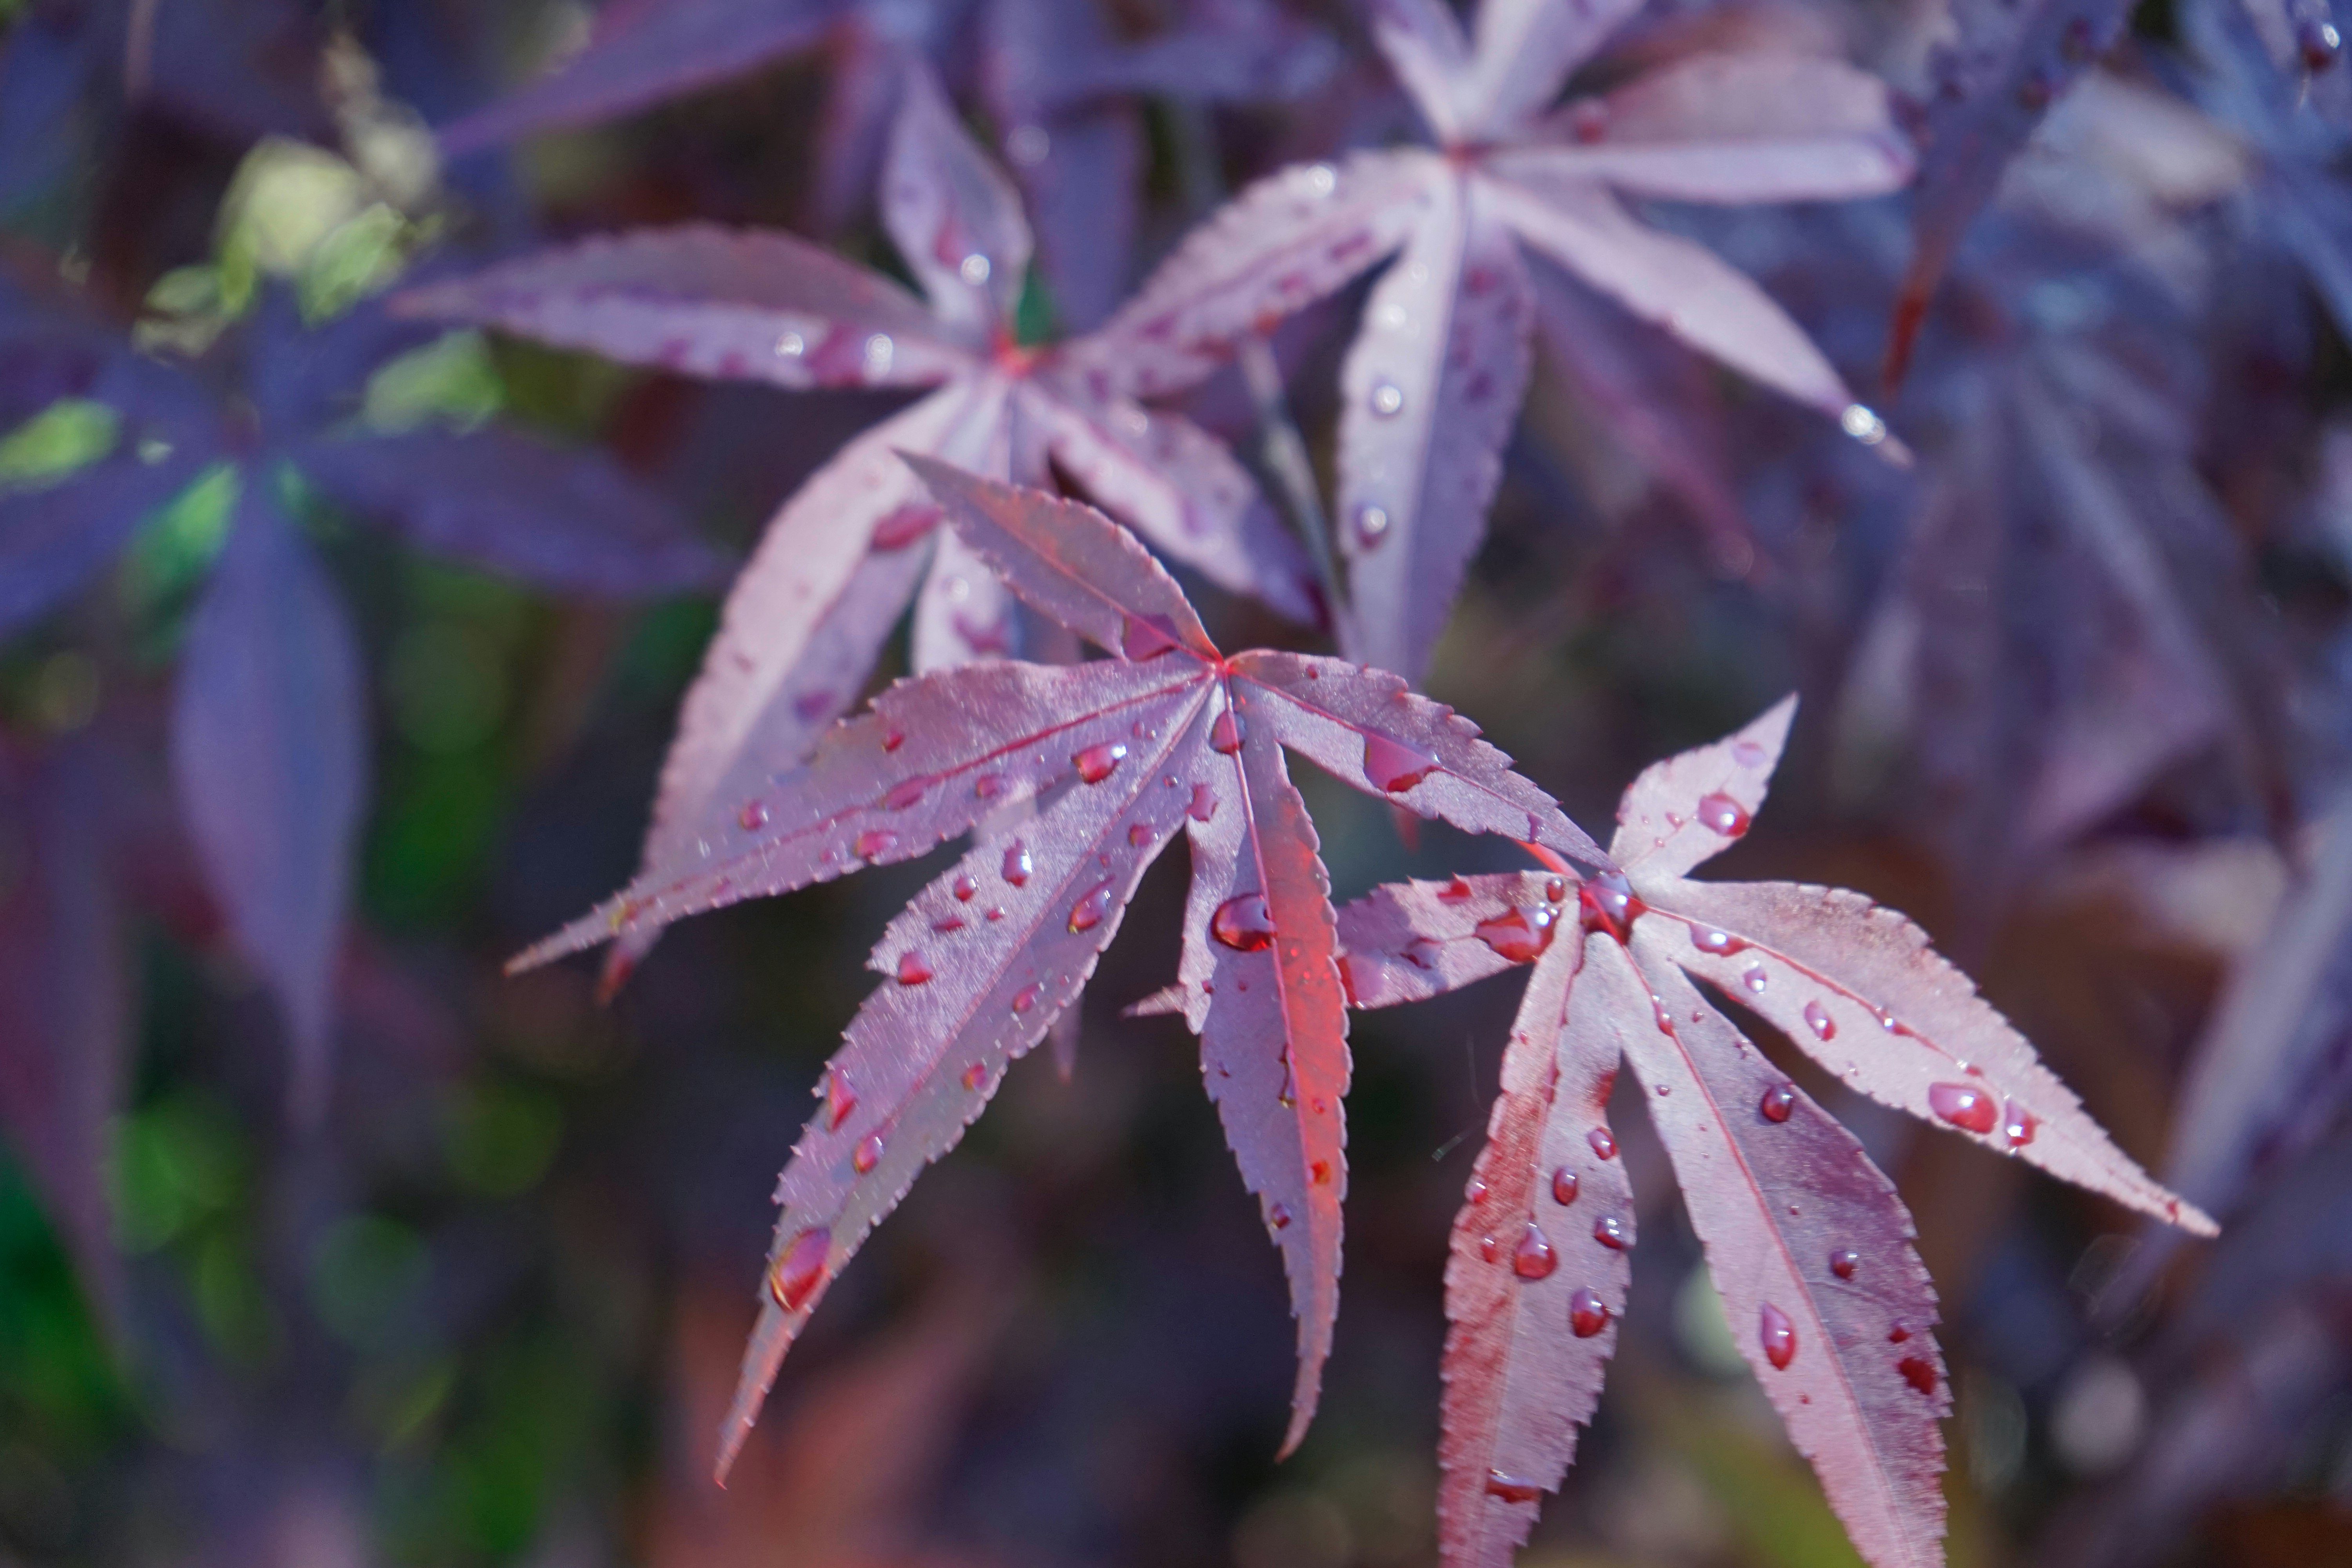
point(1604, 1145)
point(799, 1269)
point(1754, 979)
point(893, 739)
point(1393, 766)
point(1897, 1333)
point(974, 269)
point(1610, 1232)
point(1017, 865)
point(1096, 764)
point(840, 1098)
point(754, 816)
point(874, 843)
point(1963, 1105)
point(1779, 1337)
point(1720, 944)
point(1818, 1020)
point(965, 888)
point(912, 970)
point(1556, 889)
point(974, 1075)
point(1225, 732)
point(2320, 43)
point(996, 912)
point(1610, 905)
point(1517, 936)
point(1533, 1258)
point(905, 794)
point(1665, 1026)
point(1092, 908)
point(2018, 1125)
point(1779, 1101)
point(1563, 1186)
point(1863, 423)
point(1243, 923)
point(867, 1154)
point(1844, 1261)
point(1388, 399)
point(1487, 1250)
point(791, 345)
point(1721, 814)
point(1588, 1314)
point(878, 352)
point(1371, 524)
point(1510, 1488)
point(1026, 997)
point(1278, 1217)
point(1476, 1193)
point(1919, 1372)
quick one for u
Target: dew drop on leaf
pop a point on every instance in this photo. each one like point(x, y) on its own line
point(965, 888)
point(1096, 764)
point(1092, 907)
point(1534, 1259)
point(905, 794)
point(1603, 1143)
point(1243, 923)
point(1556, 889)
point(2018, 1125)
point(1844, 1261)
point(1754, 979)
point(974, 1075)
point(1517, 936)
point(1720, 944)
point(1963, 1105)
point(1818, 1020)
point(912, 970)
point(1017, 866)
point(1588, 1314)
point(1225, 732)
point(1721, 814)
point(1393, 766)
point(867, 1154)
point(1278, 1217)
point(1487, 1250)
point(800, 1269)
point(754, 816)
point(1609, 905)
point(840, 1098)
point(1779, 1101)
point(1779, 1337)
point(893, 739)
point(1371, 524)
point(1476, 1193)
point(1510, 1488)
point(1563, 1186)
point(1610, 1232)
point(874, 843)
point(1026, 997)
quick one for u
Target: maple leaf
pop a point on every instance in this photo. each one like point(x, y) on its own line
point(1061, 91)
point(268, 744)
point(1117, 756)
point(1806, 1241)
point(838, 563)
point(1431, 386)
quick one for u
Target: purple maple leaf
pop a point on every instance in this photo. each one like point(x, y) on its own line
point(840, 560)
point(1432, 385)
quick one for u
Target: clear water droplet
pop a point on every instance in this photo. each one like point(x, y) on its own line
point(1476, 1193)
point(1511, 1489)
point(965, 888)
point(912, 970)
point(1096, 764)
point(1556, 889)
point(791, 345)
point(754, 816)
point(1844, 1261)
point(1563, 1186)
point(1779, 1337)
point(1371, 524)
point(1534, 1259)
point(1017, 865)
point(1609, 905)
point(1138, 835)
point(867, 1154)
point(1754, 979)
point(1863, 423)
point(974, 269)
point(1392, 766)
point(1026, 997)
point(1225, 732)
point(1610, 1232)
point(2018, 1125)
point(1388, 399)
point(1517, 936)
point(1818, 1020)
point(1605, 1146)
point(1779, 1101)
point(1722, 944)
point(974, 1075)
point(1588, 1314)
point(799, 1269)
point(1965, 1106)
point(874, 844)
point(1092, 908)
point(840, 1098)
point(1278, 1217)
point(1721, 814)
point(1489, 1249)
point(1243, 923)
